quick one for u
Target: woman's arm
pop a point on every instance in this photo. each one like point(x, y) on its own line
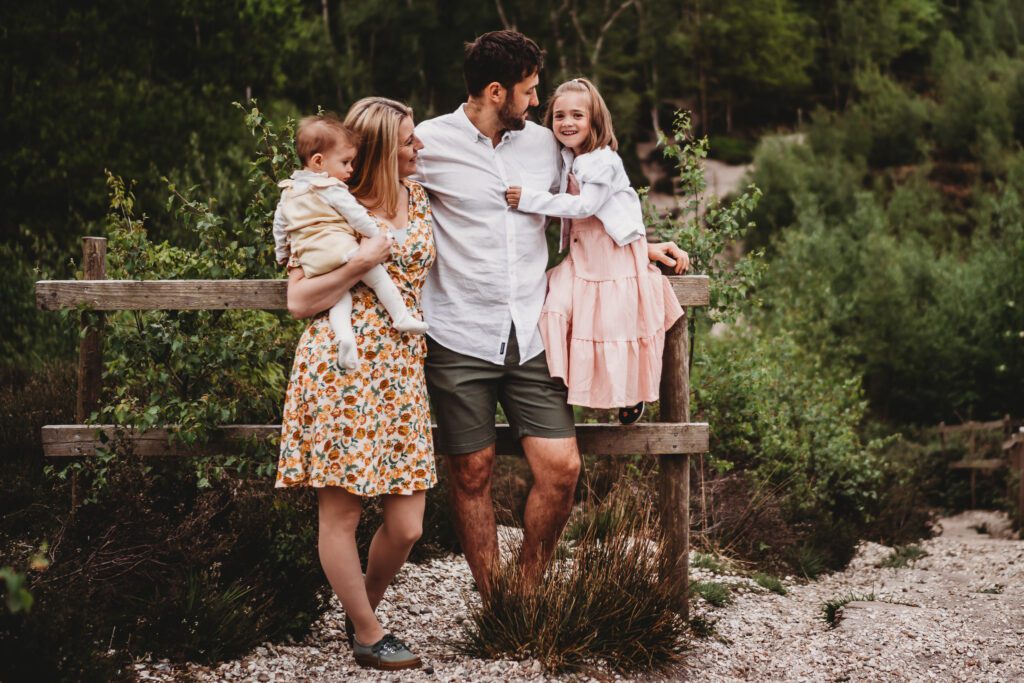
point(309, 296)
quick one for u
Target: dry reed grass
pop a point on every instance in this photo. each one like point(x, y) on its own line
point(602, 606)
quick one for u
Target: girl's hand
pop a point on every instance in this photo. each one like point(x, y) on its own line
point(512, 196)
point(669, 254)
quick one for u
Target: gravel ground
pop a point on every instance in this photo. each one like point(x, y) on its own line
point(957, 614)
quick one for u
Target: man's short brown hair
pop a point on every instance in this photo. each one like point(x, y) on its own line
point(506, 57)
point(319, 134)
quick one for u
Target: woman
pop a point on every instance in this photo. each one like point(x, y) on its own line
point(366, 432)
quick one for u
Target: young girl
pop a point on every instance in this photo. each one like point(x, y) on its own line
point(607, 308)
point(320, 222)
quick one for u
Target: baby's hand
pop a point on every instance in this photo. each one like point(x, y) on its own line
point(512, 196)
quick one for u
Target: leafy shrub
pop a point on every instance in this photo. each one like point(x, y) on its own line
point(887, 124)
point(731, 150)
point(934, 333)
point(191, 558)
point(788, 170)
point(606, 604)
point(791, 424)
point(153, 564)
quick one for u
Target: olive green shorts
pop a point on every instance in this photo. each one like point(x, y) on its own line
point(465, 392)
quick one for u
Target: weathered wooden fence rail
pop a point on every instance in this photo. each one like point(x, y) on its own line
point(1010, 454)
point(672, 440)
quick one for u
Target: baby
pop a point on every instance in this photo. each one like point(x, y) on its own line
point(317, 220)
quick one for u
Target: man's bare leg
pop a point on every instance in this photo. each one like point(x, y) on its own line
point(555, 464)
point(469, 481)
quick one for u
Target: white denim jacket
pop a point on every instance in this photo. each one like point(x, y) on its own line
point(605, 192)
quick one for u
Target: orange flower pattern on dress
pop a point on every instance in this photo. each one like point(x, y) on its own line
point(368, 429)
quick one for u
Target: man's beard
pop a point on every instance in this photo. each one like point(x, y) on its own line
point(508, 117)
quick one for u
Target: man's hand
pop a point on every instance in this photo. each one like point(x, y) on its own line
point(512, 196)
point(669, 254)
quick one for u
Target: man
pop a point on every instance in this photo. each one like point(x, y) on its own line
point(483, 299)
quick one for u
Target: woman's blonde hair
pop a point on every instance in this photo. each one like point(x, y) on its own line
point(375, 168)
point(602, 133)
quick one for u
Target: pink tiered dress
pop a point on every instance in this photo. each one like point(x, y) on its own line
point(605, 317)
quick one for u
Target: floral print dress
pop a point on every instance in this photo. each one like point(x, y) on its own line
point(368, 429)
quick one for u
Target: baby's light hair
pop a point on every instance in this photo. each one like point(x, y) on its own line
point(602, 133)
point(319, 134)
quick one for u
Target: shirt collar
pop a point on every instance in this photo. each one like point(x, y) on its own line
point(462, 119)
point(305, 174)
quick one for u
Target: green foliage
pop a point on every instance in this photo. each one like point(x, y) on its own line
point(903, 556)
point(709, 562)
point(770, 582)
point(731, 150)
point(934, 330)
point(992, 590)
point(714, 592)
point(31, 337)
point(196, 370)
point(15, 583)
point(786, 417)
point(708, 228)
point(832, 610)
point(887, 124)
point(607, 606)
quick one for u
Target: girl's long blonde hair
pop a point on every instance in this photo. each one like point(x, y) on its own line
point(375, 178)
point(602, 133)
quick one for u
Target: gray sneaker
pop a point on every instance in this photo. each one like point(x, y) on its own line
point(388, 653)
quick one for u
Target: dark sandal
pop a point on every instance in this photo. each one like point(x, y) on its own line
point(631, 414)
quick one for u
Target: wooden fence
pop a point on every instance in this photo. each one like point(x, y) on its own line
point(1010, 454)
point(672, 440)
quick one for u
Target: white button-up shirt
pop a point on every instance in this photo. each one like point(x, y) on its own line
point(489, 271)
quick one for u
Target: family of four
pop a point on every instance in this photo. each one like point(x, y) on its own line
point(419, 254)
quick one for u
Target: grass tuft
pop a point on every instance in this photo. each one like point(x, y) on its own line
point(606, 605)
point(770, 582)
point(902, 556)
point(703, 627)
point(714, 592)
point(709, 562)
point(833, 609)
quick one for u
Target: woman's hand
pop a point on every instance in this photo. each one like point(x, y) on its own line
point(373, 250)
point(512, 196)
point(669, 254)
point(309, 296)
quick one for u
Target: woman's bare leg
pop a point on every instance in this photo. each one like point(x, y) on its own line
point(402, 527)
point(339, 516)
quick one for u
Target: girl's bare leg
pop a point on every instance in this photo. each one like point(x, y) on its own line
point(339, 516)
point(402, 527)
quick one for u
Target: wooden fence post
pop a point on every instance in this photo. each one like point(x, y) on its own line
point(90, 349)
point(674, 470)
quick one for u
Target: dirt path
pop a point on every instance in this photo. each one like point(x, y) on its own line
point(955, 615)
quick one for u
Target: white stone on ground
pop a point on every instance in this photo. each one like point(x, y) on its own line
point(929, 622)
